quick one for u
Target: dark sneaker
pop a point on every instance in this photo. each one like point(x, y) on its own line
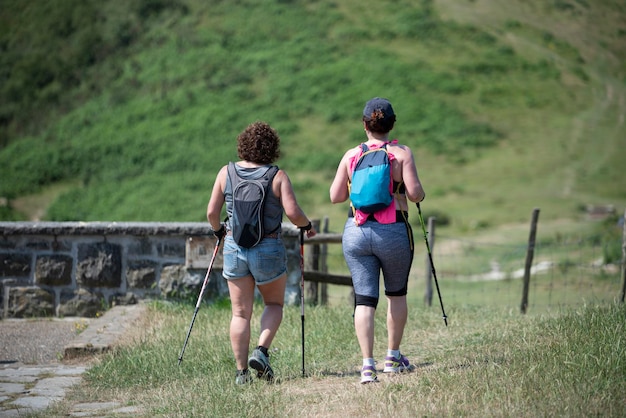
point(243, 377)
point(259, 362)
point(368, 374)
point(397, 365)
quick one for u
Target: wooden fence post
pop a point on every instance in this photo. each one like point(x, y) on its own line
point(428, 296)
point(529, 258)
point(624, 257)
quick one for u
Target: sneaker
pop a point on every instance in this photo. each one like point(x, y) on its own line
point(259, 362)
point(368, 374)
point(243, 377)
point(397, 365)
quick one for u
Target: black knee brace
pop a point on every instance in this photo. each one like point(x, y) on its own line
point(365, 301)
point(401, 292)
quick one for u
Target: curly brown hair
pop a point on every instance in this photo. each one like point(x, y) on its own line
point(259, 143)
point(378, 123)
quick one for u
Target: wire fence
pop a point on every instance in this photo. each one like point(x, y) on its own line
point(469, 272)
point(479, 273)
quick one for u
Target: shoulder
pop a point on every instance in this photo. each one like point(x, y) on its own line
point(222, 177)
point(399, 149)
point(352, 152)
point(395, 145)
point(280, 175)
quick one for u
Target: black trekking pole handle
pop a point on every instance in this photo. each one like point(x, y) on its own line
point(432, 265)
point(195, 313)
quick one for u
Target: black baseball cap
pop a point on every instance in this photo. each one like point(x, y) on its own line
point(378, 104)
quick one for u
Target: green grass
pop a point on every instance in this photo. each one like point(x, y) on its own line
point(487, 362)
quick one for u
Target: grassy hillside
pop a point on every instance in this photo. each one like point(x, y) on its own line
point(125, 111)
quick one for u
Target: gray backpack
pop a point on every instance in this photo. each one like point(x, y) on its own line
point(249, 197)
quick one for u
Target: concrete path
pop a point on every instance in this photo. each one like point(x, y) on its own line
point(27, 389)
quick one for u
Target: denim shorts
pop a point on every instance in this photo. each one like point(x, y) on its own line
point(266, 261)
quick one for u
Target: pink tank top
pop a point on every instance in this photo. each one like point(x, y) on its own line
point(383, 216)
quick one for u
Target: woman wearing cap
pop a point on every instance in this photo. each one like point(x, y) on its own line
point(380, 241)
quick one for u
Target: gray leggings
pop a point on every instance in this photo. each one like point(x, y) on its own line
point(371, 247)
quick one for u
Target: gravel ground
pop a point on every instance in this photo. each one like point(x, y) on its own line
point(37, 341)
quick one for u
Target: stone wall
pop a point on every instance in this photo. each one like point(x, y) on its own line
point(81, 269)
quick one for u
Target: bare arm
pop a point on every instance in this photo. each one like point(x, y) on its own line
point(339, 187)
point(216, 202)
point(414, 190)
point(288, 200)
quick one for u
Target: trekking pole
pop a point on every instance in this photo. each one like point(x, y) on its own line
point(302, 291)
point(432, 265)
point(195, 313)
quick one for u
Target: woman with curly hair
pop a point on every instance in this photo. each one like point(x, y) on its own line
point(379, 241)
point(245, 269)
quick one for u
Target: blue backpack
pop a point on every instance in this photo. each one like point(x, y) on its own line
point(369, 189)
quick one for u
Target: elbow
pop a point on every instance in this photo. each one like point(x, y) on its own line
point(417, 196)
point(338, 191)
point(212, 215)
point(338, 197)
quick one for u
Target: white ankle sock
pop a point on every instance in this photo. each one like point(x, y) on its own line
point(369, 362)
point(394, 353)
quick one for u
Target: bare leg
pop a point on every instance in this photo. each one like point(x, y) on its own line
point(364, 327)
point(242, 299)
point(397, 312)
point(273, 298)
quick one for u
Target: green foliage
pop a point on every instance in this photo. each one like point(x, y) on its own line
point(8, 214)
point(47, 46)
point(141, 101)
